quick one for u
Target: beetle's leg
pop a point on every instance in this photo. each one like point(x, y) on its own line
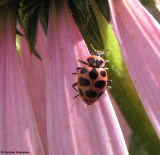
point(75, 84)
point(106, 61)
point(93, 47)
point(109, 87)
point(83, 62)
point(106, 69)
point(76, 96)
point(109, 81)
point(78, 68)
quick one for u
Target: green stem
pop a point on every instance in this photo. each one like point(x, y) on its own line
point(123, 89)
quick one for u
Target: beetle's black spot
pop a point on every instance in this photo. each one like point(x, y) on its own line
point(90, 93)
point(84, 81)
point(100, 84)
point(85, 100)
point(80, 91)
point(99, 63)
point(103, 73)
point(91, 61)
point(93, 74)
point(84, 70)
point(100, 94)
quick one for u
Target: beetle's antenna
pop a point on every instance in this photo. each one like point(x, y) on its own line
point(95, 52)
point(93, 48)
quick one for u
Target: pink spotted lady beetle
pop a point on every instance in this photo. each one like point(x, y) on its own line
point(92, 79)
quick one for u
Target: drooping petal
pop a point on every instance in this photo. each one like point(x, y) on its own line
point(124, 126)
point(35, 75)
point(18, 129)
point(138, 34)
point(73, 127)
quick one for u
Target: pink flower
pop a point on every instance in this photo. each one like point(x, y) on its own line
point(36, 100)
point(138, 34)
point(73, 127)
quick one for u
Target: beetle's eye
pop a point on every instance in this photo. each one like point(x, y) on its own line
point(91, 61)
point(99, 63)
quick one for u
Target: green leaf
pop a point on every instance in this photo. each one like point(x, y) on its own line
point(87, 23)
point(31, 30)
point(29, 13)
point(3, 3)
point(44, 14)
point(103, 6)
point(81, 15)
point(81, 5)
point(7, 5)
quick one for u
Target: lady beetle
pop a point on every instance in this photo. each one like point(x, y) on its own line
point(93, 78)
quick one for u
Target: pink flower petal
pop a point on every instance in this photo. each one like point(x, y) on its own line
point(124, 126)
point(35, 75)
point(73, 127)
point(138, 34)
point(18, 130)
